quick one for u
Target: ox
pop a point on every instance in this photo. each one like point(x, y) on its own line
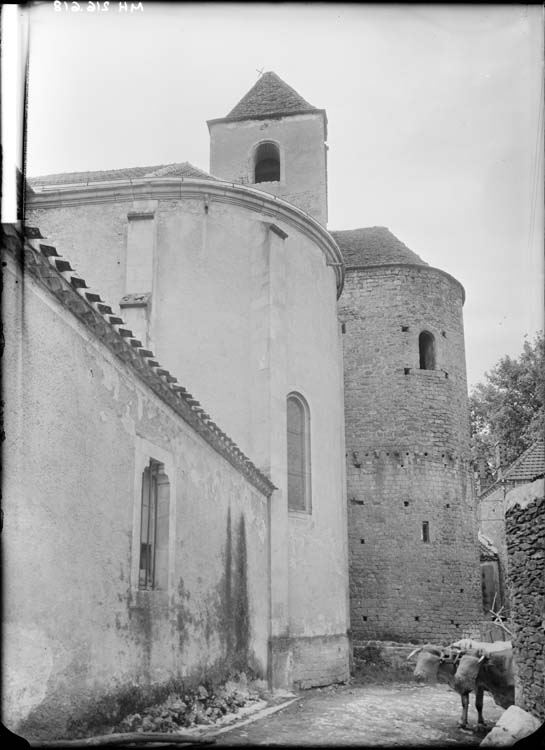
point(466, 669)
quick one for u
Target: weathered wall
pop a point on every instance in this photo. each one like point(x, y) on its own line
point(407, 438)
point(525, 533)
point(317, 540)
point(491, 518)
point(301, 140)
point(243, 316)
point(80, 427)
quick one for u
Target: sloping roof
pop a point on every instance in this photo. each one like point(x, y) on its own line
point(529, 466)
point(371, 246)
point(182, 169)
point(270, 95)
point(487, 550)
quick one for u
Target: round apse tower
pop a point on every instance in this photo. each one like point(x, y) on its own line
point(414, 566)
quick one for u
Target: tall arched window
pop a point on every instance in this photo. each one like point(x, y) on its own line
point(267, 163)
point(426, 345)
point(298, 419)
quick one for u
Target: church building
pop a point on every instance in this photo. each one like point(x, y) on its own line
point(322, 492)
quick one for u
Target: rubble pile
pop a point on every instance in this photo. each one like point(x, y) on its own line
point(200, 706)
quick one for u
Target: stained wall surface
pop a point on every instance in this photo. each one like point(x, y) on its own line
point(525, 533)
point(414, 567)
point(80, 429)
point(243, 311)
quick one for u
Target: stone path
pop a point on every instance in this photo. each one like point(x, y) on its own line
point(400, 714)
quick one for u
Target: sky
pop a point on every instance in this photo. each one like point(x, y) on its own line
point(435, 121)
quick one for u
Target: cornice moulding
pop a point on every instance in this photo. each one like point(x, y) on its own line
point(179, 188)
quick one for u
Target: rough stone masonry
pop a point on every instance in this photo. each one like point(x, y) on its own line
point(525, 531)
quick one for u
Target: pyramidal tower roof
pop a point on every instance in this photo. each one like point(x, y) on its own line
point(270, 96)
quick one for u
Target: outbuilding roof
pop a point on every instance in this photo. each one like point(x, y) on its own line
point(372, 246)
point(181, 169)
point(269, 95)
point(529, 466)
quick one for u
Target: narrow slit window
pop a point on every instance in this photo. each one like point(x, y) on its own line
point(298, 423)
point(426, 345)
point(154, 527)
point(267, 163)
point(426, 531)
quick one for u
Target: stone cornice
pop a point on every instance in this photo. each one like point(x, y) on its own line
point(414, 266)
point(179, 188)
point(55, 274)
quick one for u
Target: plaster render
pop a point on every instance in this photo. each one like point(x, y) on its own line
point(301, 139)
point(98, 632)
point(257, 306)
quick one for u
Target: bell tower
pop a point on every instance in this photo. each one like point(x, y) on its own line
point(275, 141)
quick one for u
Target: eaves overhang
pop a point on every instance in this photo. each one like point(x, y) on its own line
point(173, 188)
point(54, 273)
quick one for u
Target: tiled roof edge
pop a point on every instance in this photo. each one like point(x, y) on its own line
point(420, 267)
point(55, 273)
point(520, 460)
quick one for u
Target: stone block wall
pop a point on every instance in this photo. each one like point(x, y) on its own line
point(525, 533)
point(491, 519)
point(319, 660)
point(413, 552)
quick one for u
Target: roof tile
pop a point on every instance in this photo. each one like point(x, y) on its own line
point(371, 246)
point(182, 169)
point(529, 466)
point(270, 95)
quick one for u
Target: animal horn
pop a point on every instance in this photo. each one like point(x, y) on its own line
point(416, 651)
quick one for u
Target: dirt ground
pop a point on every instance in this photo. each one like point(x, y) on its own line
point(398, 714)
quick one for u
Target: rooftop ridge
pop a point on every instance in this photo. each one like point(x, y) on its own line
point(56, 274)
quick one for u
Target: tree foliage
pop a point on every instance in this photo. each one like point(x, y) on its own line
point(508, 408)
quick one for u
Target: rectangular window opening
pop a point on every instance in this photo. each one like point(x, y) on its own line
point(425, 531)
point(154, 527)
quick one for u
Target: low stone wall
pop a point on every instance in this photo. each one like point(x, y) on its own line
point(525, 532)
point(319, 660)
point(386, 659)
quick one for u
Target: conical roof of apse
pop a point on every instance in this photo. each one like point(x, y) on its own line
point(374, 246)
